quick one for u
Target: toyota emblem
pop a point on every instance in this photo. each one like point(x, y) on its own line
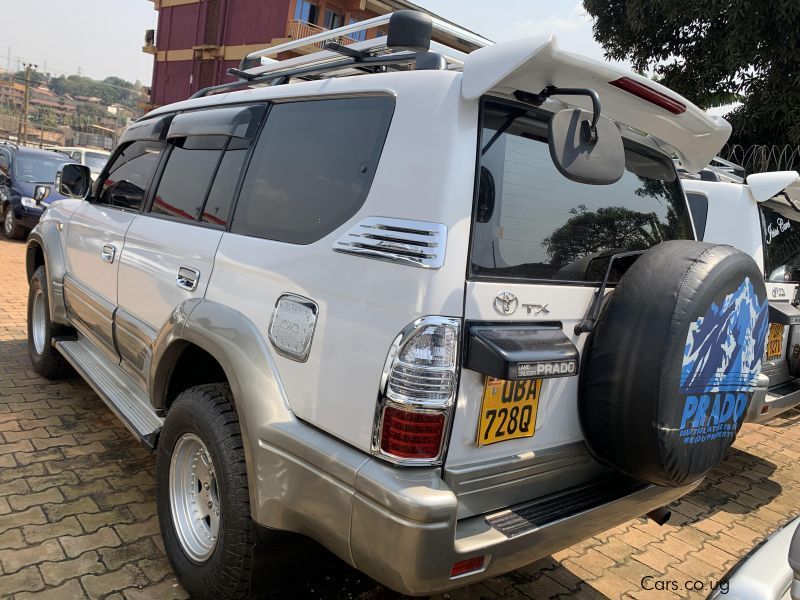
point(505, 303)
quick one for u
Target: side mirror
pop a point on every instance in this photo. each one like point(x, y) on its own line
point(586, 154)
point(73, 181)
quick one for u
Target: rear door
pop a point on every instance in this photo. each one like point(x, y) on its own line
point(541, 246)
point(169, 249)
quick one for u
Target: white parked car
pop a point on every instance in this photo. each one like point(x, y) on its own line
point(93, 158)
point(771, 571)
point(361, 295)
point(761, 217)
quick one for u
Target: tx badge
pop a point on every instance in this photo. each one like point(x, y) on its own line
point(506, 303)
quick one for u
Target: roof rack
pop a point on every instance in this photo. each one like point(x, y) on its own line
point(718, 169)
point(408, 43)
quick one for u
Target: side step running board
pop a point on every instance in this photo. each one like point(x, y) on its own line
point(528, 516)
point(115, 387)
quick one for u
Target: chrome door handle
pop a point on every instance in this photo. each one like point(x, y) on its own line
point(187, 278)
point(108, 252)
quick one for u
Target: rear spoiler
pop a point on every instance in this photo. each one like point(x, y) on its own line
point(764, 186)
point(530, 65)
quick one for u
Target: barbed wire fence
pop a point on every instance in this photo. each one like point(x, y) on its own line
point(760, 158)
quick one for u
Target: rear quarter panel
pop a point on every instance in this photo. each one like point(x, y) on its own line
point(426, 173)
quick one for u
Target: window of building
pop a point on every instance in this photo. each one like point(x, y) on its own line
point(312, 168)
point(359, 36)
point(190, 168)
point(333, 18)
point(306, 11)
point(129, 175)
point(218, 206)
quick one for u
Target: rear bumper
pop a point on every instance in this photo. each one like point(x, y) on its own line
point(400, 526)
point(769, 402)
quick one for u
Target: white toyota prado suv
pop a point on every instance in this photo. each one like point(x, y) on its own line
point(760, 215)
point(444, 313)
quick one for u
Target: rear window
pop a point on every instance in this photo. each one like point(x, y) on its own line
point(781, 227)
point(531, 222)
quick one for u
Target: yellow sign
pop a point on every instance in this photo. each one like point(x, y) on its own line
point(508, 410)
point(774, 341)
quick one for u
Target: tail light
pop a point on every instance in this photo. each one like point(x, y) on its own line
point(650, 95)
point(417, 393)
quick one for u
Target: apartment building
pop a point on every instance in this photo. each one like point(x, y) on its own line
point(197, 41)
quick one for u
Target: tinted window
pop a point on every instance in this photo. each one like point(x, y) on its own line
point(312, 168)
point(187, 176)
point(698, 204)
point(781, 227)
point(218, 205)
point(534, 223)
point(130, 174)
point(4, 163)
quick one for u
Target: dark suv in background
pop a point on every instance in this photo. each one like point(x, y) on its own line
point(27, 186)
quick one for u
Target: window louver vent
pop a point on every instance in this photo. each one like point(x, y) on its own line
point(414, 243)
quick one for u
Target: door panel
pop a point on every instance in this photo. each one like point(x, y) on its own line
point(557, 415)
point(155, 251)
point(95, 235)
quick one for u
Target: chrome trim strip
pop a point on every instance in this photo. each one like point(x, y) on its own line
point(134, 339)
point(90, 314)
point(413, 243)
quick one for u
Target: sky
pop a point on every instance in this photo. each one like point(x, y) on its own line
point(105, 37)
point(99, 37)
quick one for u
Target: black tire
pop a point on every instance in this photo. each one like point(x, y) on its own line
point(207, 411)
point(672, 363)
point(11, 228)
point(48, 362)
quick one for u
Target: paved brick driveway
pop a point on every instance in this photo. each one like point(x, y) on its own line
point(77, 516)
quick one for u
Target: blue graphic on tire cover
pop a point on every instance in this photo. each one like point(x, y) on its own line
point(721, 362)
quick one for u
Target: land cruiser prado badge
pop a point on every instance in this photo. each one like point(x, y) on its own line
point(720, 367)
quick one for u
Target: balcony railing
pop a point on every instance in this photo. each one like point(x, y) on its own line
point(303, 29)
point(150, 42)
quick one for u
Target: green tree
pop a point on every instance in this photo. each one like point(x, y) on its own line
point(607, 228)
point(713, 51)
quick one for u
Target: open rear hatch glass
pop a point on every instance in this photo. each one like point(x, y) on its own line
point(541, 246)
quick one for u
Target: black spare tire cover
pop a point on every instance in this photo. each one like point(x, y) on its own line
point(671, 365)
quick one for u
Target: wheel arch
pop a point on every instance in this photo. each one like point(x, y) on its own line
point(224, 339)
point(44, 248)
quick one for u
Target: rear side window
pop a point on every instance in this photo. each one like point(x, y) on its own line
point(187, 177)
point(129, 175)
point(780, 224)
point(218, 206)
point(698, 204)
point(312, 168)
point(531, 222)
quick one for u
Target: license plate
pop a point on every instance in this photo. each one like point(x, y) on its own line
point(774, 341)
point(508, 410)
